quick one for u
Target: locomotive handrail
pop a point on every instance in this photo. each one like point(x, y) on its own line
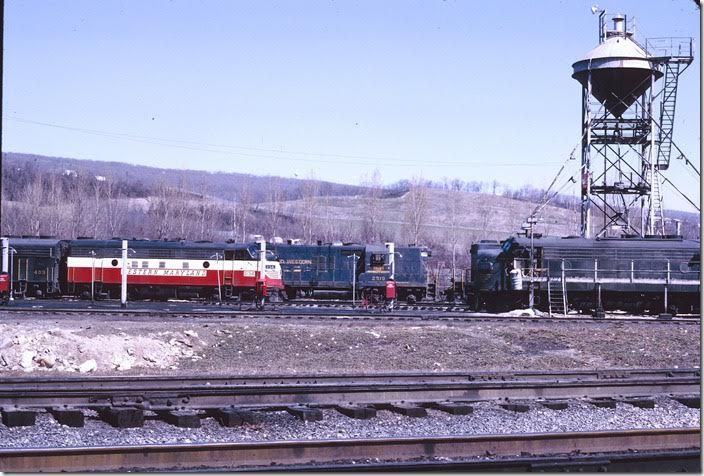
point(631, 271)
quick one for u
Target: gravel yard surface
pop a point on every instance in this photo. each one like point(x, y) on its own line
point(112, 345)
point(486, 419)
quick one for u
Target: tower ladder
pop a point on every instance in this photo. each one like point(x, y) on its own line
point(667, 113)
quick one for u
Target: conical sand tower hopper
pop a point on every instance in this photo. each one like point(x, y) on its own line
point(618, 69)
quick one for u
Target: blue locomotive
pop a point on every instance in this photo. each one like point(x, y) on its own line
point(340, 268)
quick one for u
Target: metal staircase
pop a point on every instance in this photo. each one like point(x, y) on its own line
point(557, 294)
point(673, 55)
point(667, 113)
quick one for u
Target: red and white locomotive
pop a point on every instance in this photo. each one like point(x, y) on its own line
point(172, 269)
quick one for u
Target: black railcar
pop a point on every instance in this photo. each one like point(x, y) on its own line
point(485, 275)
point(36, 266)
point(630, 274)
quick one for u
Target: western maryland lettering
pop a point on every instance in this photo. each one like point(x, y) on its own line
point(193, 273)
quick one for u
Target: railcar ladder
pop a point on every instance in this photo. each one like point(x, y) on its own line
point(557, 296)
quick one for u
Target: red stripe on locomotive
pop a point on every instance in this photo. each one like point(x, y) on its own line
point(170, 277)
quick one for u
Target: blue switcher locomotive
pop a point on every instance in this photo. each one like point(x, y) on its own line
point(330, 268)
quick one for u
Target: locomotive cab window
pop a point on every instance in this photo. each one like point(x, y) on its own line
point(238, 255)
point(376, 261)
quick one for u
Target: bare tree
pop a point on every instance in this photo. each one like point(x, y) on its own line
point(370, 202)
point(328, 227)
point(161, 213)
point(181, 210)
point(206, 217)
point(115, 209)
point(417, 207)
point(55, 215)
point(98, 219)
point(32, 197)
point(453, 216)
point(79, 218)
point(240, 212)
point(309, 191)
point(275, 196)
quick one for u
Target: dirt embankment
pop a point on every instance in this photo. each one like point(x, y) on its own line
point(246, 347)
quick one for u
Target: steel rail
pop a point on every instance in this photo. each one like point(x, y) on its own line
point(248, 455)
point(338, 314)
point(272, 392)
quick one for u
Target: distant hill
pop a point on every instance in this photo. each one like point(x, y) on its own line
point(69, 197)
point(142, 180)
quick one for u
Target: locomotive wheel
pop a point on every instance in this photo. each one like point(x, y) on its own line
point(411, 299)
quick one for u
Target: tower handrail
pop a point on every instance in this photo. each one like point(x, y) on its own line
point(669, 48)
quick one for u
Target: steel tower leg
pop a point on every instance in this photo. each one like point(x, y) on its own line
point(586, 150)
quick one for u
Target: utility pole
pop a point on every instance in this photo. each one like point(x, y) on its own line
point(354, 276)
point(528, 227)
point(123, 284)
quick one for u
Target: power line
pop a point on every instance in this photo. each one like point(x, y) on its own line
point(176, 143)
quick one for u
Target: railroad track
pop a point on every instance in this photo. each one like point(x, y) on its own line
point(183, 399)
point(233, 401)
point(311, 313)
point(579, 450)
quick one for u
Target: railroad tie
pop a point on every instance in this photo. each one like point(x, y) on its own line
point(181, 418)
point(232, 417)
point(515, 407)
point(604, 402)
point(122, 417)
point(360, 412)
point(640, 402)
point(453, 408)
point(688, 400)
point(555, 404)
point(406, 409)
point(12, 417)
point(72, 417)
point(306, 413)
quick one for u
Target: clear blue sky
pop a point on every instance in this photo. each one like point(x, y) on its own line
point(467, 89)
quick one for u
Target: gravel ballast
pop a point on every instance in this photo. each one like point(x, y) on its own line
point(487, 418)
point(255, 346)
